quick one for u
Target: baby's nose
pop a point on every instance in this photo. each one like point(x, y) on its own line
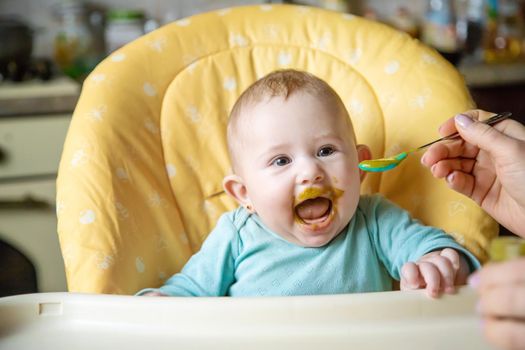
point(310, 173)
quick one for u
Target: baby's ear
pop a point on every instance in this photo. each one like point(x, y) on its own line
point(234, 186)
point(363, 153)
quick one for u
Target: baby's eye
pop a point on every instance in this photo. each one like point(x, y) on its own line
point(325, 151)
point(281, 161)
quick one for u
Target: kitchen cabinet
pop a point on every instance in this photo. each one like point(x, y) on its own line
point(501, 98)
point(31, 148)
point(33, 126)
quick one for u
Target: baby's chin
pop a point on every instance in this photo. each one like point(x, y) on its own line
point(315, 243)
point(316, 239)
point(320, 233)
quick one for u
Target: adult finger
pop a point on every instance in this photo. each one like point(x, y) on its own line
point(445, 167)
point(511, 128)
point(503, 301)
point(449, 149)
point(484, 136)
point(505, 333)
point(461, 182)
point(449, 126)
point(495, 274)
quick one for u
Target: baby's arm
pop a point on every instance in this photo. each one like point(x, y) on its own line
point(437, 272)
point(209, 272)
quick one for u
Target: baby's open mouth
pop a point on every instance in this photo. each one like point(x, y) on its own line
point(314, 210)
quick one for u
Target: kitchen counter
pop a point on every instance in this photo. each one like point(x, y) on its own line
point(61, 94)
point(497, 87)
point(38, 97)
point(481, 75)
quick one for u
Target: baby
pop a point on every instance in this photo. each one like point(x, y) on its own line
point(302, 227)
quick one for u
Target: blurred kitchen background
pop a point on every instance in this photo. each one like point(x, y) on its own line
point(47, 47)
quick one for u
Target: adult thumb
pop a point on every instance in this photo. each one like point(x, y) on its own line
point(482, 135)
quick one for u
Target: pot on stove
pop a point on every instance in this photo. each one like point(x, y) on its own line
point(16, 48)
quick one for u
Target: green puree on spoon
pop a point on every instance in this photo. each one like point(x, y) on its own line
point(384, 164)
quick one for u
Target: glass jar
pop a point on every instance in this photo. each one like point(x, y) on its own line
point(439, 29)
point(123, 26)
point(476, 22)
point(405, 21)
point(76, 49)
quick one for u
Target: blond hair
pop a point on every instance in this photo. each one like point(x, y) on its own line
point(280, 83)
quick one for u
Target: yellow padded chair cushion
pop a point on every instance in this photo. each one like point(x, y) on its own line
point(139, 184)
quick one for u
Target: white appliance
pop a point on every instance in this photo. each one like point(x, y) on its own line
point(34, 117)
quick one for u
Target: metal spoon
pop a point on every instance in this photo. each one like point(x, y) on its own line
point(384, 164)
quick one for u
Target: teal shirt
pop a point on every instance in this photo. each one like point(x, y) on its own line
point(242, 257)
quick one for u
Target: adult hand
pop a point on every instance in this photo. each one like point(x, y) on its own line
point(487, 164)
point(437, 272)
point(501, 289)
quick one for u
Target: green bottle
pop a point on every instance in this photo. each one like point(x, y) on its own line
point(506, 248)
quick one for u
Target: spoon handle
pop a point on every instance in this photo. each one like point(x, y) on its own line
point(491, 121)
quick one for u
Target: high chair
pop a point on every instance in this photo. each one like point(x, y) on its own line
point(139, 183)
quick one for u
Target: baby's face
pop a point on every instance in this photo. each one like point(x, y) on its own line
point(298, 162)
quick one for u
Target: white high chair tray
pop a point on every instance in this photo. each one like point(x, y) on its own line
point(388, 320)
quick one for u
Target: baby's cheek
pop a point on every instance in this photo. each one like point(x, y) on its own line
point(347, 204)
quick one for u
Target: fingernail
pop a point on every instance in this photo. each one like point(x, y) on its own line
point(450, 177)
point(463, 120)
point(473, 281)
point(432, 168)
point(423, 159)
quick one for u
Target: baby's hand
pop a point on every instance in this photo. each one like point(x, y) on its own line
point(437, 272)
point(153, 294)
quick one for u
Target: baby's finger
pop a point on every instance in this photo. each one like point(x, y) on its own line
point(444, 261)
point(154, 294)
point(447, 273)
point(432, 278)
point(410, 276)
point(452, 256)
